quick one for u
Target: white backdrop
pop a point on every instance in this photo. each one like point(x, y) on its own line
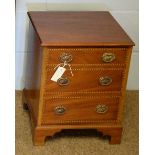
point(125, 12)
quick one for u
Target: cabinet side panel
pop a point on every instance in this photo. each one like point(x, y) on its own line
point(124, 84)
point(33, 72)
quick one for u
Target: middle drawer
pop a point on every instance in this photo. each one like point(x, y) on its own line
point(85, 79)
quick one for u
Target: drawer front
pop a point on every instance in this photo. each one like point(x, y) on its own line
point(85, 79)
point(87, 55)
point(73, 110)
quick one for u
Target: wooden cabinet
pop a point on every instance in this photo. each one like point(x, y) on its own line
point(96, 50)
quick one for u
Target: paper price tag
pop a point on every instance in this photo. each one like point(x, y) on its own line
point(58, 73)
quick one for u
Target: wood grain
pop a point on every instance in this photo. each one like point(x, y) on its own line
point(124, 83)
point(33, 62)
point(86, 80)
point(79, 110)
point(78, 29)
point(86, 56)
point(86, 36)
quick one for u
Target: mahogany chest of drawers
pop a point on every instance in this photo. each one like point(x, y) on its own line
point(95, 51)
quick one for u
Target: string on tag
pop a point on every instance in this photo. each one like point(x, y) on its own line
point(70, 69)
point(63, 65)
point(58, 65)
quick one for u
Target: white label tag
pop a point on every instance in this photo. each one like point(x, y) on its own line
point(58, 73)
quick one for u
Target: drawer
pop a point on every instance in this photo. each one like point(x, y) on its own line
point(86, 109)
point(85, 79)
point(87, 55)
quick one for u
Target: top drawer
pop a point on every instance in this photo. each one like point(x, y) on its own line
point(107, 55)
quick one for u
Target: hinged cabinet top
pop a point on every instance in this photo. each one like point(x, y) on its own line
point(78, 29)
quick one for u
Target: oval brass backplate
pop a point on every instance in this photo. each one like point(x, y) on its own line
point(108, 57)
point(66, 57)
point(63, 81)
point(105, 81)
point(101, 108)
point(59, 110)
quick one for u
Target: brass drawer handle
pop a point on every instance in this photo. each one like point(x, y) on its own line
point(101, 108)
point(59, 110)
point(108, 57)
point(63, 81)
point(105, 81)
point(66, 57)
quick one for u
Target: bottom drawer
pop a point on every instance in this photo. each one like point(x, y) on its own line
point(79, 110)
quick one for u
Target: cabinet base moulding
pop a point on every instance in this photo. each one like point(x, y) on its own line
point(41, 132)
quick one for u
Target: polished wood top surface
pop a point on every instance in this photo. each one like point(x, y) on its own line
point(78, 29)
